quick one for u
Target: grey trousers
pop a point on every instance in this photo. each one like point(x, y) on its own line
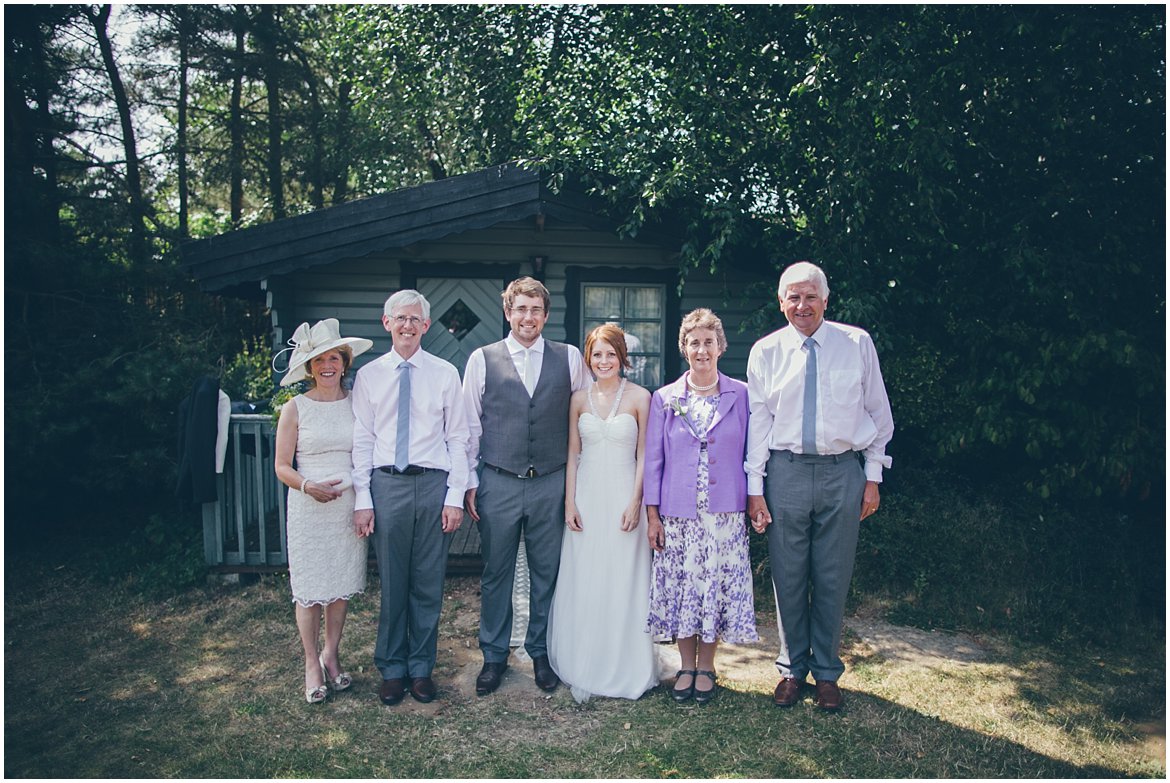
point(411, 548)
point(815, 503)
point(509, 508)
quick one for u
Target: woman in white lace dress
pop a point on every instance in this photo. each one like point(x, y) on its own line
point(326, 558)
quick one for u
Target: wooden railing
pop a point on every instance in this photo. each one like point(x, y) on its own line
point(244, 530)
point(245, 527)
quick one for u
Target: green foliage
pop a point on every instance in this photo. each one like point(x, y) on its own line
point(108, 353)
point(946, 553)
point(162, 559)
point(248, 375)
point(943, 554)
point(282, 395)
point(985, 188)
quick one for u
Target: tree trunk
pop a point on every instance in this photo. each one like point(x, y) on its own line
point(272, 69)
point(430, 150)
point(181, 140)
point(341, 145)
point(138, 245)
point(236, 122)
point(316, 120)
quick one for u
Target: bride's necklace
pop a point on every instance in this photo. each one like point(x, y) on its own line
point(698, 388)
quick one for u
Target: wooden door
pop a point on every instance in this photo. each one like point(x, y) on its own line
point(466, 313)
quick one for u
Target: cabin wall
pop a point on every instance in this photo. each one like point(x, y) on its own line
point(354, 290)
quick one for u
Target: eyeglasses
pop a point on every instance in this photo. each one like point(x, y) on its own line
point(524, 312)
point(413, 320)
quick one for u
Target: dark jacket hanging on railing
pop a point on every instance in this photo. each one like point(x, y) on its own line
point(198, 427)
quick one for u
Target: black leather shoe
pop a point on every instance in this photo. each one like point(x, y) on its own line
point(391, 691)
point(489, 678)
point(683, 694)
point(703, 697)
point(422, 689)
point(546, 678)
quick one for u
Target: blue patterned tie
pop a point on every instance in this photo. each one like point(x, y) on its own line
point(402, 447)
point(808, 433)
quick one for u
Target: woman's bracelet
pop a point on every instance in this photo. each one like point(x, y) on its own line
point(303, 483)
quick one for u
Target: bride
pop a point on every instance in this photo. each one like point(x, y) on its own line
point(597, 636)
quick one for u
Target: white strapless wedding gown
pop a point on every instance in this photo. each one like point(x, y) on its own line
point(597, 639)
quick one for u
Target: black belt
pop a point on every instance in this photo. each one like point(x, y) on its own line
point(530, 473)
point(792, 456)
point(409, 470)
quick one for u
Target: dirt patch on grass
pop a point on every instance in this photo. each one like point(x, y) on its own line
point(911, 646)
point(750, 664)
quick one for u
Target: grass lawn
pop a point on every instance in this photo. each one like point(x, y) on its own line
point(102, 683)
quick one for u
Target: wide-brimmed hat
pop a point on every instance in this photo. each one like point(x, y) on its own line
point(307, 343)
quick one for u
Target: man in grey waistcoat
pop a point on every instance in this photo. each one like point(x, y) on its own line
point(517, 398)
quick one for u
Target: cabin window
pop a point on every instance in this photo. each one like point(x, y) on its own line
point(640, 311)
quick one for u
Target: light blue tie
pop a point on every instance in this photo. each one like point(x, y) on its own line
point(808, 432)
point(402, 447)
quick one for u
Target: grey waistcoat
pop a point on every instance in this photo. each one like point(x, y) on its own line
point(518, 432)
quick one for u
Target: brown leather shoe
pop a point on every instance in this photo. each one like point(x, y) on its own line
point(392, 691)
point(828, 695)
point(787, 692)
point(489, 678)
point(422, 689)
point(546, 678)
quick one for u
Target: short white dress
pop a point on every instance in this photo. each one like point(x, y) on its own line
point(326, 559)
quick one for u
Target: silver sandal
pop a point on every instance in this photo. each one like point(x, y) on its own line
point(338, 683)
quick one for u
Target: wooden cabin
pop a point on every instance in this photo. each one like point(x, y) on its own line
point(459, 241)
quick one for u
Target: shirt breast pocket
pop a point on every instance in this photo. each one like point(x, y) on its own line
point(845, 387)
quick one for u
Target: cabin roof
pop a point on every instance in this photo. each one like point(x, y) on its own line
point(427, 212)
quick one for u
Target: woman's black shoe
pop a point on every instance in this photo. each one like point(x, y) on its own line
point(684, 694)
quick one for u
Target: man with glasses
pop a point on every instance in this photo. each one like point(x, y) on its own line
point(517, 395)
point(409, 475)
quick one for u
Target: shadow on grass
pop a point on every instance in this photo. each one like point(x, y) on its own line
point(100, 683)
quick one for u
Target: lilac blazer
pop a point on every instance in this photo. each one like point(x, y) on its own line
point(672, 453)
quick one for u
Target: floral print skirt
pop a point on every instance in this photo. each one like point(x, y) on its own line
point(702, 579)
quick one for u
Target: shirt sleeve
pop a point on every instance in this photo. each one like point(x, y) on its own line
point(877, 406)
point(578, 372)
point(455, 432)
point(760, 418)
point(474, 377)
point(363, 445)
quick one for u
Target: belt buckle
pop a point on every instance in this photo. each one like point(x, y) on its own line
point(531, 473)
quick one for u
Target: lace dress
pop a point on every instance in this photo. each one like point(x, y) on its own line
point(326, 559)
point(702, 578)
point(597, 640)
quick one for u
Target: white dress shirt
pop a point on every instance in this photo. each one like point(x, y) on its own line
point(853, 411)
point(475, 376)
point(438, 422)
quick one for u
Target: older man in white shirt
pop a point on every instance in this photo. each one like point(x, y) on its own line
point(410, 473)
point(819, 424)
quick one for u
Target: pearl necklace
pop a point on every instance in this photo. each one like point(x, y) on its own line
point(706, 388)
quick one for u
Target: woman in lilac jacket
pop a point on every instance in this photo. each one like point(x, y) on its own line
point(695, 491)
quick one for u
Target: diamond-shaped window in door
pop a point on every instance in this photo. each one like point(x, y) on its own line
point(459, 320)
